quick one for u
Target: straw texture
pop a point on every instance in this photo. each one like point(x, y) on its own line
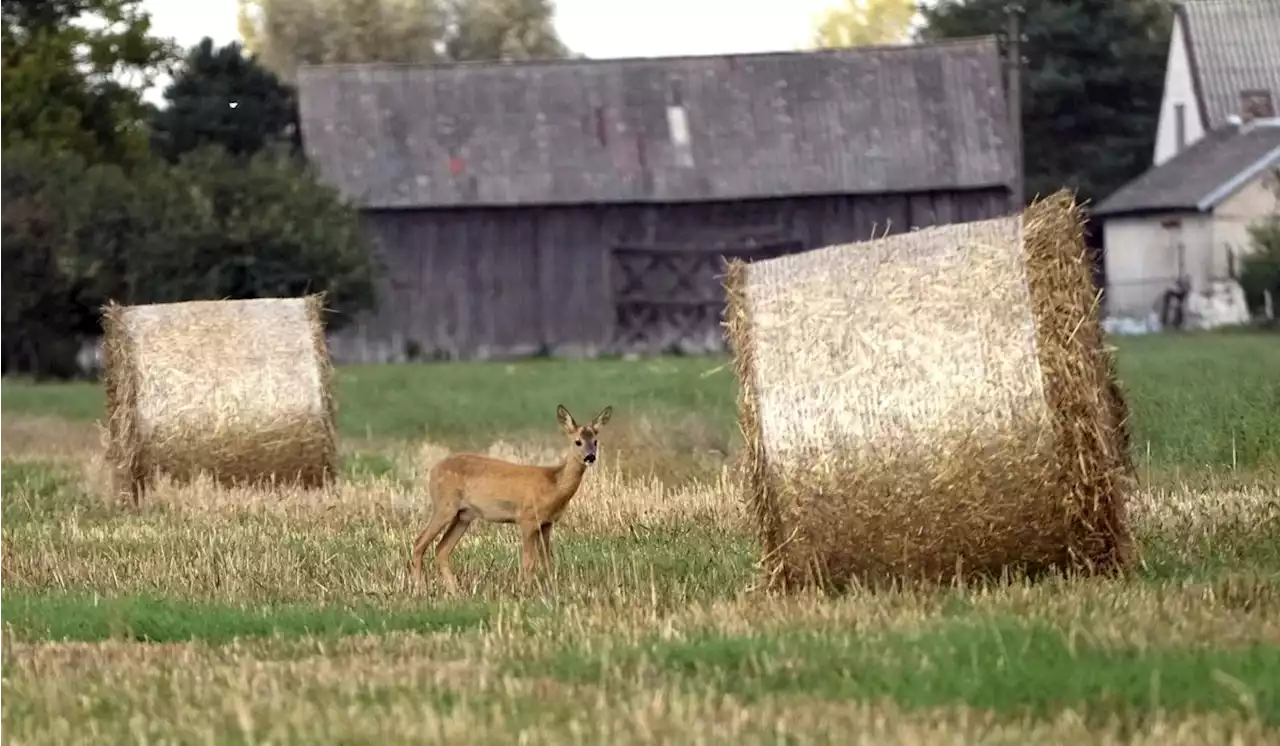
point(930, 405)
point(237, 389)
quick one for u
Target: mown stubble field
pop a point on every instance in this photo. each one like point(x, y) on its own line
point(254, 616)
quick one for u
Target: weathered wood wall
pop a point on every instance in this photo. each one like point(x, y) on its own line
point(484, 283)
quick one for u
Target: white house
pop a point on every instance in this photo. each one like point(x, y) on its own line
point(1189, 217)
point(1216, 158)
point(1224, 60)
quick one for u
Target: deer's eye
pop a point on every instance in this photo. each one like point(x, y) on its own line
point(577, 442)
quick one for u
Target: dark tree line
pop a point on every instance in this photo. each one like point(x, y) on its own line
point(107, 198)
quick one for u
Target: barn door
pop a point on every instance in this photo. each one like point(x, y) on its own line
point(669, 298)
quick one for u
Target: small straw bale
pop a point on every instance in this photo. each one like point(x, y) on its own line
point(236, 389)
point(933, 406)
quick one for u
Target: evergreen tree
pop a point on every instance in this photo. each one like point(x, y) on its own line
point(1092, 81)
point(221, 96)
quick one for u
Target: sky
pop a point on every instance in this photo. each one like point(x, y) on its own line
point(596, 28)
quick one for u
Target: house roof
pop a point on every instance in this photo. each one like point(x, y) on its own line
point(869, 120)
point(1204, 174)
point(1234, 46)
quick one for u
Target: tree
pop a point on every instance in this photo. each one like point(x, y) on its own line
point(73, 72)
point(275, 230)
point(76, 235)
point(1092, 82)
point(503, 29)
point(137, 237)
point(856, 23)
point(37, 296)
point(1260, 269)
point(285, 34)
point(220, 96)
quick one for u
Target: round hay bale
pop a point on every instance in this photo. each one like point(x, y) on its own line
point(931, 406)
point(236, 389)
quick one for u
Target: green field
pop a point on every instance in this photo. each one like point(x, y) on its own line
point(238, 616)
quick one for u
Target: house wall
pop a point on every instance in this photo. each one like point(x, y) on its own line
point(481, 283)
point(1179, 88)
point(1232, 218)
point(1143, 258)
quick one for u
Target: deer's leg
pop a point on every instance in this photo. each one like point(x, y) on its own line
point(544, 544)
point(445, 548)
point(440, 520)
point(530, 538)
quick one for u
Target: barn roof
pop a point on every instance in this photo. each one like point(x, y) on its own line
point(1234, 47)
point(1197, 179)
point(869, 120)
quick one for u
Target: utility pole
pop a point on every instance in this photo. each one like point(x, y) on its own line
point(1013, 66)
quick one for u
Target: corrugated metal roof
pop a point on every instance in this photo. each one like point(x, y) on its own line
point(870, 120)
point(1235, 46)
point(1194, 179)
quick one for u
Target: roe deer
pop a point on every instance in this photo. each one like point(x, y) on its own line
point(466, 487)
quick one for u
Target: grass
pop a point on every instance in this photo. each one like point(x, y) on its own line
point(287, 616)
point(466, 403)
point(53, 616)
point(1203, 399)
point(1040, 668)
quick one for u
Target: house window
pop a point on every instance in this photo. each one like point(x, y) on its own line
point(1180, 126)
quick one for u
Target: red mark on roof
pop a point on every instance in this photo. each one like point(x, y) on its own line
point(456, 165)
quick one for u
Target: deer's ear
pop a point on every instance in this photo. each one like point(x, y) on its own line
point(566, 420)
point(602, 419)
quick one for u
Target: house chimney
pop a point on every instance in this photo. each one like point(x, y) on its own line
point(1256, 103)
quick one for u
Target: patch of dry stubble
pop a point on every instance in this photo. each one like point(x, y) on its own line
point(237, 547)
point(351, 541)
point(28, 438)
point(620, 538)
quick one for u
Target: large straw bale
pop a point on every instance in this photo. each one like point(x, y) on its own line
point(237, 389)
point(934, 405)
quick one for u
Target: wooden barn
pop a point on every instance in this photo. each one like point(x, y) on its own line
point(585, 207)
